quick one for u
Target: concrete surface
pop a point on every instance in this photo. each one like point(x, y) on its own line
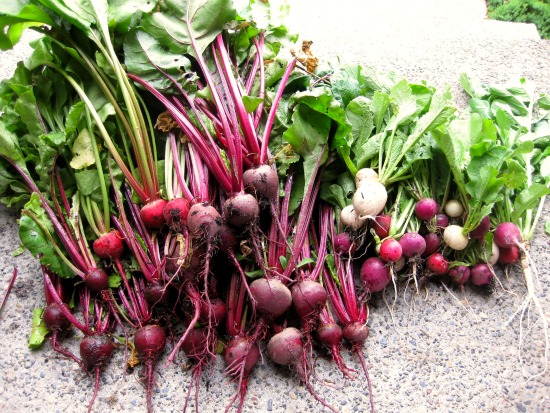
point(438, 355)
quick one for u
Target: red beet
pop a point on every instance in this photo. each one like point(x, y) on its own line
point(286, 347)
point(157, 295)
point(109, 246)
point(204, 220)
point(240, 352)
point(241, 209)
point(97, 280)
point(214, 313)
point(330, 334)
point(175, 213)
point(54, 318)
point(271, 296)
point(308, 298)
point(263, 180)
point(356, 333)
point(96, 350)
point(374, 274)
point(151, 213)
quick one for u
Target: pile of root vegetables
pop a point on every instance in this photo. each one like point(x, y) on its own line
point(190, 187)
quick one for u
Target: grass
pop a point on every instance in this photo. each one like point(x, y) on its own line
point(522, 11)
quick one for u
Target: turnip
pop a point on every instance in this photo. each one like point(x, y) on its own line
point(453, 208)
point(426, 209)
point(271, 297)
point(437, 264)
point(149, 342)
point(413, 244)
point(152, 213)
point(481, 274)
point(390, 250)
point(241, 209)
point(175, 213)
point(109, 245)
point(507, 235)
point(482, 229)
point(375, 275)
point(365, 174)
point(349, 218)
point(454, 238)
point(369, 199)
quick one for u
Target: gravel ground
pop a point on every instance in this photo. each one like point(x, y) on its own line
point(435, 352)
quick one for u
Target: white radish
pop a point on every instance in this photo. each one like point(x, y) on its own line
point(454, 237)
point(365, 174)
point(370, 198)
point(349, 218)
point(453, 208)
point(495, 254)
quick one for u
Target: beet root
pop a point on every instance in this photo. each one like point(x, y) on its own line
point(241, 355)
point(54, 318)
point(97, 280)
point(308, 298)
point(151, 213)
point(175, 213)
point(241, 209)
point(204, 220)
point(263, 180)
point(271, 296)
point(286, 347)
point(356, 333)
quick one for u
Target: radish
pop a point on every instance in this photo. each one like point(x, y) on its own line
point(369, 199)
point(454, 238)
point(263, 180)
point(381, 225)
point(481, 274)
point(495, 253)
point(271, 297)
point(413, 244)
point(374, 274)
point(507, 235)
point(453, 208)
point(508, 255)
point(433, 242)
point(152, 213)
point(109, 246)
point(350, 218)
point(175, 213)
point(400, 264)
point(365, 174)
point(241, 209)
point(441, 221)
point(426, 209)
point(390, 250)
point(460, 274)
point(482, 229)
point(149, 342)
point(437, 264)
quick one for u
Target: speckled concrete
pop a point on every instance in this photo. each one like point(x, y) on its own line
point(438, 355)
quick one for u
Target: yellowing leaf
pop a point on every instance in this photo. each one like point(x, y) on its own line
point(83, 153)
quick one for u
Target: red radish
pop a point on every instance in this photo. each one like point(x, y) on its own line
point(343, 244)
point(437, 264)
point(374, 274)
point(204, 220)
point(109, 246)
point(426, 209)
point(54, 318)
point(97, 280)
point(441, 221)
point(350, 218)
point(271, 296)
point(263, 180)
point(508, 255)
point(369, 199)
point(356, 333)
point(175, 213)
point(507, 235)
point(381, 225)
point(390, 250)
point(413, 244)
point(481, 274)
point(286, 347)
point(308, 298)
point(454, 238)
point(454, 208)
point(460, 274)
point(149, 342)
point(241, 209)
point(433, 242)
point(400, 264)
point(482, 229)
point(152, 213)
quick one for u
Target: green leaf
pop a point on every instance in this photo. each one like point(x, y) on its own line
point(379, 107)
point(83, 152)
point(403, 104)
point(251, 103)
point(528, 199)
point(254, 274)
point(39, 331)
point(9, 147)
point(115, 281)
point(305, 261)
point(15, 17)
point(333, 194)
point(547, 227)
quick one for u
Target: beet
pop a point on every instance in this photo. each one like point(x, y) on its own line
point(356, 333)
point(228, 240)
point(157, 295)
point(286, 347)
point(97, 280)
point(507, 235)
point(240, 352)
point(96, 350)
point(150, 341)
point(413, 244)
point(426, 209)
point(109, 246)
point(214, 313)
point(195, 342)
point(374, 274)
point(271, 296)
point(175, 213)
point(308, 298)
point(482, 229)
point(241, 209)
point(151, 213)
point(330, 334)
point(204, 220)
point(54, 318)
point(263, 180)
